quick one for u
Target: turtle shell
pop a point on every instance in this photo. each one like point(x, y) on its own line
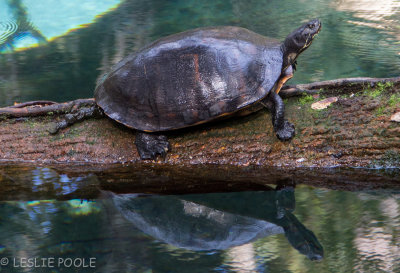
point(190, 78)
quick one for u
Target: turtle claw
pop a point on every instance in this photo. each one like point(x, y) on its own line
point(150, 146)
point(160, 149)
point(286, 132)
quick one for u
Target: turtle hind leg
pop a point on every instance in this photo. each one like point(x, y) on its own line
point(284, 129)
point(149, 145)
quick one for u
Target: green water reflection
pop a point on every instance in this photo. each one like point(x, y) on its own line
point(359, 38)
point(280, 230)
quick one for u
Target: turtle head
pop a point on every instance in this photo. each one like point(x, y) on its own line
point(298, 41)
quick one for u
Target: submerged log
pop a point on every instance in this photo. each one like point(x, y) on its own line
point(354, 131)
point(66, 182)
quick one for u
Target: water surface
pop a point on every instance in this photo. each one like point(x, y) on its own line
point(347, 222)
point(302, 230)
point(56, 50)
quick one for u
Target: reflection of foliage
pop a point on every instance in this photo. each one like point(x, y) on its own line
point(82, 207)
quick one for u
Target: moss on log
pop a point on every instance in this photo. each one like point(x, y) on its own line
point(354, 131)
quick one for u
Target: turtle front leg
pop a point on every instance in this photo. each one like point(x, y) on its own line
point(284, 129)
point(149, 145)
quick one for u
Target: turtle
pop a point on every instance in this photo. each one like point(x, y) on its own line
point(198, 76)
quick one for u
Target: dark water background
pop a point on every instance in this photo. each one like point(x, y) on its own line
point(56, 50)
point(359, 38)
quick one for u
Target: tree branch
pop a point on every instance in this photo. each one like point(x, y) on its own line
point(341, 86)
point(39, 108)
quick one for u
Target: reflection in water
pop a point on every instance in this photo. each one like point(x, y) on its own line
point(371, 10)
point(68, 66)
point(219, 221)
point(359, 231)
point(382, 15)
point(375, 243)
point(242, 231)
point(27, 23)
point(32, 183)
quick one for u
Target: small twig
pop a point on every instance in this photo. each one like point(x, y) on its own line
point(345, 85)
point(24, 111)
point(33, 103)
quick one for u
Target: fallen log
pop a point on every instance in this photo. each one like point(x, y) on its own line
point(356, 130)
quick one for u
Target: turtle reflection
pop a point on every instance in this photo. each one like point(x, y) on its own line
point(219, 221)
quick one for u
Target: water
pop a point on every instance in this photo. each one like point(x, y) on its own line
point(136, 219)
point(55, 50)
point(203, 218)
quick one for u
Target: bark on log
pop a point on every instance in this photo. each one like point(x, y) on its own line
point(354, 131)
